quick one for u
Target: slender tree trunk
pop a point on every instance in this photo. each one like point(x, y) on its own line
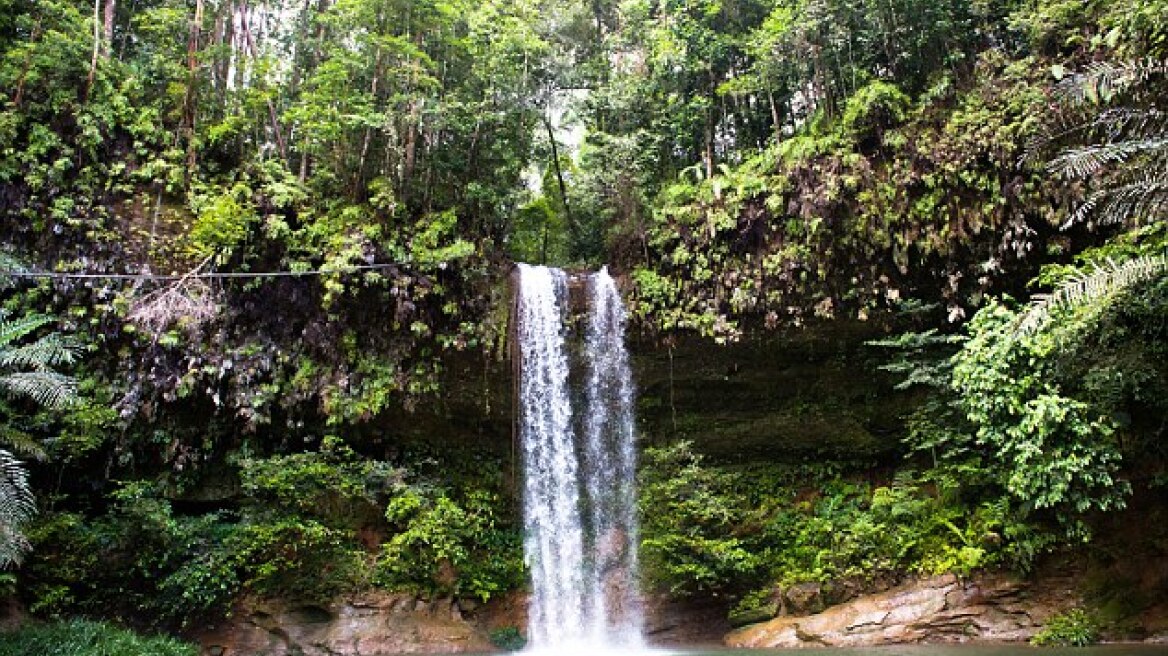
point(547, 122)
point(221, 70)
point(708, 151)
point(19, 95)
point(414, 124)
point(272, 115)
point(368, 138)
point(96, 49)
point(776, 122)
point(111, 8)
point(708, 139)
point(303, 175)
point(190, 103)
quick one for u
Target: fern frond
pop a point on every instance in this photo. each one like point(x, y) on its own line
point(1090, 288)
point(1102, 81)
point(1088, 160)
point(22, 444)
point(17, 507)
point(47, 388)
point(1119, 122)
point(1140, 200)
point(48, 351)
point(14, 329)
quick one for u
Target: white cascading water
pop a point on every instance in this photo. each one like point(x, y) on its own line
point(579, 464)
point(610, 468)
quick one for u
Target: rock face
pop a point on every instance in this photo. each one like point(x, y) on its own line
point(684, 623)
point(782, 396)
point(365, 625)
point(937, 609)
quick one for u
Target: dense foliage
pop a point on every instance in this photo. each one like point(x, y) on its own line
point(80, 638)
point(728, 529)
point(987, 177)
point(307, 530)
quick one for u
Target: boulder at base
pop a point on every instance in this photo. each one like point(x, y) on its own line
point(936, 609)
point(359, 626)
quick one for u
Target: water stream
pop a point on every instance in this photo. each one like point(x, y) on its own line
point(576, 432)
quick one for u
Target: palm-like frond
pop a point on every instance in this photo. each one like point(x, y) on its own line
point(1113, 134)
point(1140, 200)
point(12, 330)
point(47, 388)
point(1084, 161)
point(1092, 287)
point(1102, 81)
point(1118, 121)
point(49, 351)
point(26, 370)
point(21, 443)
point(17, 507)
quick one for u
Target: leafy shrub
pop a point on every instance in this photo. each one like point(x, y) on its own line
point(81, 638)
point(139, 560)
point(1074, 628)
point(298, 558)
point(297, 535)
point(450, 544)
point(334, 485)
point(508, 638)
point(873, 109)
point(715, 529)
point(689, 517)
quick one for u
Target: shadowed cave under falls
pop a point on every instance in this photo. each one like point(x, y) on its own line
point(576, 430)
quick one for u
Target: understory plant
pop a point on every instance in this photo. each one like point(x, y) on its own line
point(719, 529)
point(1074, 628)
point(308, 530)
point(84, 638)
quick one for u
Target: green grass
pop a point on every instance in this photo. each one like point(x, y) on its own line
point(82, 638)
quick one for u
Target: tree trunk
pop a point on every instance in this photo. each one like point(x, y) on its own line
point(708, 138)
point(547, 122)
point(776, 121)
point(190, 102)
point(96, 50)
point(272, 115)
point(358, 178)
point(19, 95)
point(708, 151)
point(111, 8)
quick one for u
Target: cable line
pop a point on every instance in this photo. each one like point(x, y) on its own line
point(194, 275)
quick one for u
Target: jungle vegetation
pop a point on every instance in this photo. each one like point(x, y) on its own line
point(987, 179)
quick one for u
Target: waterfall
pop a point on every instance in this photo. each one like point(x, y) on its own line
point(579, 464)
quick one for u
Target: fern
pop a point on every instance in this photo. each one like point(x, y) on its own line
point(17, 507)
point(1113, 135)
point(21, 443)
point(1091, 288)
point(1088, 160)
point(47, 388)
point(12, 330)
point(1146, 197)
point(26, 371)
point(1100, 82)
point(50, 351)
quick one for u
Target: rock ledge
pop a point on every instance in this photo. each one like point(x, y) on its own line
point(935, 609)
